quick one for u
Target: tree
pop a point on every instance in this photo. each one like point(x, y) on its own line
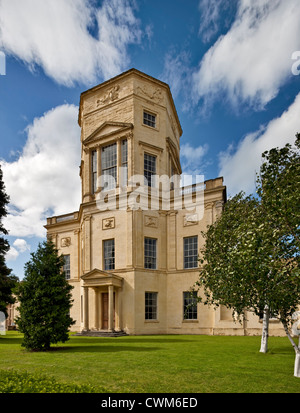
point(235, 259)
point(251, 253)
point(45, 300)
point(7, 281)
point(279, 188)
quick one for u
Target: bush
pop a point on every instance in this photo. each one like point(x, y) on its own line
point(12, 381)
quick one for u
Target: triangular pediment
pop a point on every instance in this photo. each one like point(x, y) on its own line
point(108, 128)
point(98, 277)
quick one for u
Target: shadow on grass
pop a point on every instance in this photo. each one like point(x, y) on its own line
point(101, 349)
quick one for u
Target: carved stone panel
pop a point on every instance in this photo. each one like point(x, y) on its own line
point(108, 223)
point(151, 221)
point(190, 219)
point(65, 242)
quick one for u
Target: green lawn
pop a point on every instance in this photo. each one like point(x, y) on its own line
point(151, 364)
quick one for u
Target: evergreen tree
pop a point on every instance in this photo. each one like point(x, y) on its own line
point(45, 300)
point(7, 281)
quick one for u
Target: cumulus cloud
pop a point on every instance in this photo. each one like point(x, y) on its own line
point(252, 60)
point(71, 40)
point(239, 165)
point(44, 179)
point(19, 246)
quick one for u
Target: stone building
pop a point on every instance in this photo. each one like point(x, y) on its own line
point(131, 250)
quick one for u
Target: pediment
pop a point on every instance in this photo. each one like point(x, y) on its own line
point(98, 277)
point(107, 129)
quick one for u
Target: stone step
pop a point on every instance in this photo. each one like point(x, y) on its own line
point(103, 333)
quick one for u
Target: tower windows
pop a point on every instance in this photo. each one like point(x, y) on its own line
point(149, 168)
point(149, 119)
point(109, 165)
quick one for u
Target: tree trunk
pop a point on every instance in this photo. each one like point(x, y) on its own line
point(297, 351)
point(265, 331)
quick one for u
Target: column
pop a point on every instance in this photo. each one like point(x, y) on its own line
point(118, 310)
point(85, 309)
point(110, 307)
point(96, 309)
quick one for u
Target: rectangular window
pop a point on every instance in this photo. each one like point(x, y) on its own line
point(150, 253)
point(109, 165)
point(66, 267)
point(109, 254)
point(94, 171)
point(190, 305)
point(149, 168)
point(149, 119)
point(150, 306)
point(124, 163)
point(190, 248)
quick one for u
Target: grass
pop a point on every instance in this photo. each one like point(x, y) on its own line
point(149, 364)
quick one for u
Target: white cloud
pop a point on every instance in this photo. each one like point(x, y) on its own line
point(56, 35)
point(239, 166)
point(253, 59)
point(211, 14)
point(193, 163)
point(12, 254)
point(44, 180)
point(19, 246)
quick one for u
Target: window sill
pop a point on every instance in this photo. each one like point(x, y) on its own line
point(190, 321)
point(151, 321)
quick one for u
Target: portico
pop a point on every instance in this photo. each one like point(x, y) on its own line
point(107, 300)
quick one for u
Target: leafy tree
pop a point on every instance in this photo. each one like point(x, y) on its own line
point(45, 300)
point(7, 281)
point(251, 255)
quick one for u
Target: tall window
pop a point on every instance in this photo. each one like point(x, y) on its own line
point(149, 168)
point(150, 306)
point(124, 163)
point(109, 254)
point(190, 247)
point(190, 305)
point(109, 165)
point(66, 266)
point(94, 171)
point(149, 119)
point(150, 253)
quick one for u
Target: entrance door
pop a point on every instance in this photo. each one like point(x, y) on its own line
point(105, 311)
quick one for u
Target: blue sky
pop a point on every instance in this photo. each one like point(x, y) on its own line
point(232, 66)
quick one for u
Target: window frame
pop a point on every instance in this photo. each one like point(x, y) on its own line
point(110, 266)
point(190, 314)
point(94, 171)
point(148, 172)
point(67, 266)
point(113, 167)
point(148, 265)
point(151, 306)
point(190, 261)
point(149, 119)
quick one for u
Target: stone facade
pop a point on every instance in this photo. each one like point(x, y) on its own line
point(131, 265)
